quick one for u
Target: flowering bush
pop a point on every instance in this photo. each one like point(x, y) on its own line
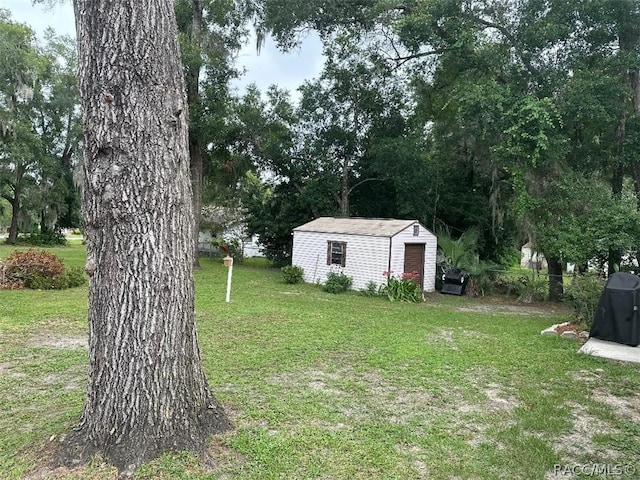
point(231, 247)
point(403, 289)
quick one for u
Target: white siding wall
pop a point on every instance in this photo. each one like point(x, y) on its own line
point(431, 245)
point(250, 247)
point(367, 257)
point(430, 254)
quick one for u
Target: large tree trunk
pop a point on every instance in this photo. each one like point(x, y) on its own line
point(147, 391)
point(555, 279)
point(344, 188)
point(44, 226)
point(15, 215)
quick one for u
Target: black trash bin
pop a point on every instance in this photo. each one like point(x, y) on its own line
point(455, 281)
point(618, 314)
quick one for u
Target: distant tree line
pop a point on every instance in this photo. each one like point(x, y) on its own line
point(40, 131)
point(518, 119)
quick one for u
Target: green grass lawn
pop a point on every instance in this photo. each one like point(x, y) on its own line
point(339, 386)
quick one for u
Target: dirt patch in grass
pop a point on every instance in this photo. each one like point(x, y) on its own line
point(5, 368)
point(416, 454)
point(219, 458)
point(628, 407)
point(52, 340)
point(580, 440)
point(493, 407)
point(505, 310)
point(498, 400)
point(104, 472)
point(356, 394)
point(447, 337)
point(463, 412)
point(586, 376)
point(317, 380)
point(442, 335)
point(47, 468)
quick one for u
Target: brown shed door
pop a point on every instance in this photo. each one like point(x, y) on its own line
point(414, 260)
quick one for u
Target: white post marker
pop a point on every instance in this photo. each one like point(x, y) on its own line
point(228, 262)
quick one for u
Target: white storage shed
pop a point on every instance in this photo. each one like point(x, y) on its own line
point(365, 248)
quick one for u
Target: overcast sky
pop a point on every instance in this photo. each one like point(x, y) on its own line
point(271, 66)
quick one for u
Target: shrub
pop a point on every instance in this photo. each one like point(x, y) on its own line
point(231, 247)
point(528, 288)
point(292, 274)
point(533, 288)
point(504, 284)
point(38, 269)
point(481, 278)
point(5, 283)
point(74, 277)
point(583, 295)
point(21, 267)
point(372, 290)
point(337, 282)
point(46, 239)
point(403, 289)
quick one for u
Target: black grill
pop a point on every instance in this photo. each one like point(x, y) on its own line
point(454, 281)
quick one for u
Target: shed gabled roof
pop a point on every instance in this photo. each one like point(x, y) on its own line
point(377, 227)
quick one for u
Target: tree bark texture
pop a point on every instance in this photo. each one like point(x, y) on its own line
point(344, 188)
point(16, 204)
point(15, 215)
point(556, 289)
point(147, 391)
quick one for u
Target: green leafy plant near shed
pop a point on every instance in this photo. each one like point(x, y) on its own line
point(403, 289)
point(337, 282)
point(372, 289)
point(292, 274)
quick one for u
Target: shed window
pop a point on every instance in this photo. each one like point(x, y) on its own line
point(416, 230)
point(336, 253)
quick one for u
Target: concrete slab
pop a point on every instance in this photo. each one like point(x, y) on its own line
point(611, 350)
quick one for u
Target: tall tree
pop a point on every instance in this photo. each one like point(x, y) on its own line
point(41, 128)
point(211, 32)
point(268, 135)
point(513, 96)
point(147, 390)
point(58, 124)
point(20, 76)
point(340, 111)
